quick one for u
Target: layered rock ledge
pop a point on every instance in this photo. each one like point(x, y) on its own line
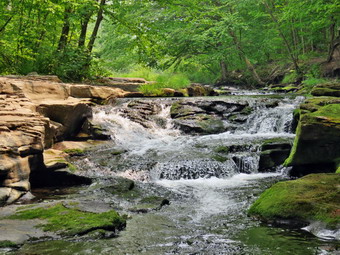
point(35, 113)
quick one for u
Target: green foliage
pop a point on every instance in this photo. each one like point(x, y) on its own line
point(290, 77)
point(71, 222)
point(313, 197)
point(163, 80)
point(188, 37)
point(311, 82)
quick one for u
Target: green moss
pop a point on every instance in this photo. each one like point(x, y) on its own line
point(212, 126)
point(314, 197)
point(69, 222)
point(74, 151)
point(247, 110)
point(219, 158)
point(331, 111)
point(7, 244)
point(221, 149)
point(278, 140)
point(72, 167)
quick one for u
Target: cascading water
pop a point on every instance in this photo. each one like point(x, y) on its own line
point(209, 179)
point(165, 153)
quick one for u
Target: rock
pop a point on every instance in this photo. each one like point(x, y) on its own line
point(35, 112)
point(197, 90)
point(96, 93)
point(317, 144)
point(142, 112)
point(178, 94)
point(71, 115)
point(67, 222)
point(273, 153)
point(328, 89)
point(133, 94)
point(311, 198)
point(121, 185)
point(208, 117)
point(55, 159)
point(4, 195)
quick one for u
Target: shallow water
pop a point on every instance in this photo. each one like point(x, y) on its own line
point(208, 199)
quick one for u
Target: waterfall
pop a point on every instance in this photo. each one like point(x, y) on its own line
point(154, 145)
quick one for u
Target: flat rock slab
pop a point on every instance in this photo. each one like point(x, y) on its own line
point(18, 231)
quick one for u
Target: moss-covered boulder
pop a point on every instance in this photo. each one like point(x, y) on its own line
point(327, 89)
point(70, 222)
point(314, 197)
point(317, 144)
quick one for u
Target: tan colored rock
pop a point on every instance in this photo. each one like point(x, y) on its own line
point(35, 112)
point(55, 159)
point(95, 92)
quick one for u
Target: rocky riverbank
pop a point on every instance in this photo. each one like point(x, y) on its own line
point(36, 113)
point(316, 151)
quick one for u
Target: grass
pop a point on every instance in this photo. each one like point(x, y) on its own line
point(311, 82)
point(314, 197)
point(70, 222)
point(161, 79)
point(165, 80)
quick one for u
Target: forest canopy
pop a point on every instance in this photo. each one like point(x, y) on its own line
point(208, 41)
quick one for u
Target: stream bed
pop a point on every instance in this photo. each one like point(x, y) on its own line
point(210, 180)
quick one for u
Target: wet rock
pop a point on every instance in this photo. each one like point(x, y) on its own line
point(273, 153)
point(317, 144)
point(148, 204)
point(208, 117)
point(142, 112)
point(121, 185)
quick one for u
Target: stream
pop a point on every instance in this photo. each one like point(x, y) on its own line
point(209, 179)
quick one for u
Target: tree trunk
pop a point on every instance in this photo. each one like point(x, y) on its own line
point(65, 30)
point(331, 43)
point(84, 23)
point(224, 71)
point(96, 26)
point(290, 52)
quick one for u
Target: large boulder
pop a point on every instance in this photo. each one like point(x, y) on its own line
point(317, 144)
point(300, 202)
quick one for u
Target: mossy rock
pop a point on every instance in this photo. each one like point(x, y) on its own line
point(314, 197)
point(219, 158)
point(121, 185)
point(221, 149)
point(317, 138)
point(150, 203)
point(328, 89)
point(75, 152)
point(7, 244)
point(70, 222)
